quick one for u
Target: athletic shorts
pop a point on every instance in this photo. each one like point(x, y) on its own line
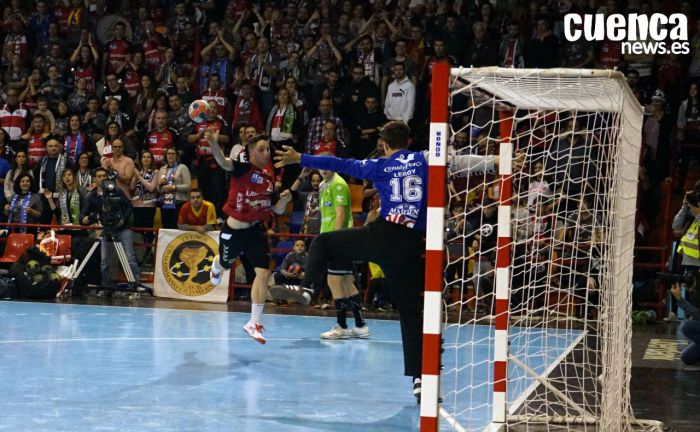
point(249, 242)
point(340, 268)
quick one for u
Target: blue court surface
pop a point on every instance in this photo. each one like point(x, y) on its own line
point(100, 368)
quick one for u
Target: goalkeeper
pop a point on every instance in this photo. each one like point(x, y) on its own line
point(395, 241)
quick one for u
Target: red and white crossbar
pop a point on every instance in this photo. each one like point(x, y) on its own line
point(434, 255)
point(503, 269)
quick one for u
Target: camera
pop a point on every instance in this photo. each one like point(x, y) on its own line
point(673, 278)
point(116, 208)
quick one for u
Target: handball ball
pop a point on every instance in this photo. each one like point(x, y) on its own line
point(198, 110)
point(294, 268)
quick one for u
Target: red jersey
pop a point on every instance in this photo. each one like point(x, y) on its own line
point(152, 54)
point(250, 194)
point(205, 216)
point(117, 51)
point(322, 146)
point(157, 142)
point(35, 150)
point(218, 96)
point(202, 147)
point(87, 71)
point(131, 81)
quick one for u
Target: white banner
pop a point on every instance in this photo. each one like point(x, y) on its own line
point(183, 260)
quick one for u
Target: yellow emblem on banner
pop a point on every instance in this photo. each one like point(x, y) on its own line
point(186, 263)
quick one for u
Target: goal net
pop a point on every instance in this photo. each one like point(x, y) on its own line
point(529, 265)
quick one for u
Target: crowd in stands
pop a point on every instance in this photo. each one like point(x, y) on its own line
point(90, 83)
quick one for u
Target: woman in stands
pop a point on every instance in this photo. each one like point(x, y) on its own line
point(67, 208)
point(174, 184)
point(83, 175)
point(144, 185)
point(25, 205)
point(19, 166)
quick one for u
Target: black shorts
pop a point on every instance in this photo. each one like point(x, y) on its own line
point(249, 242)
point(340, 268)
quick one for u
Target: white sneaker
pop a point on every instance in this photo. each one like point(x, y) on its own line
point(337, 332)
point(360, 332)
point(255, 331)
point(672, 317)
point(290, 293)
point(214, 275)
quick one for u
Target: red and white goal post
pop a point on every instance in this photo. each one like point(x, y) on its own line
point(528, 293)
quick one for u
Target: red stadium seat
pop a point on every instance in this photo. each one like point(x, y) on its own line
point(16, 245)
point(63, 255)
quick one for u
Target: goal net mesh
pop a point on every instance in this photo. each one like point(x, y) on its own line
point(577, 134)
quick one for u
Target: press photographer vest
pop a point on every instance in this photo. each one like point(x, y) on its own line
point(250, 196)
point(689, 242)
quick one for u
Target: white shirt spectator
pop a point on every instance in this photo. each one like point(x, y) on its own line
point(400, 96)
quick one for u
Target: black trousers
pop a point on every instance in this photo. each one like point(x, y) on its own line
point(168, 217)
point(398, 250)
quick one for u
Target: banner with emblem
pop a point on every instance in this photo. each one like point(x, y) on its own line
point(183, 260)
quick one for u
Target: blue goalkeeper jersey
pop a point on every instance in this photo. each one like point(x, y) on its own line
point(401, 180)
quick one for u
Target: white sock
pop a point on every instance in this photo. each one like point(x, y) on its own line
point(256, 313)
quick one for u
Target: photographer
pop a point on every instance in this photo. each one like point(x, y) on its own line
point(107, 206)
point(686, 223)
point(690, 329)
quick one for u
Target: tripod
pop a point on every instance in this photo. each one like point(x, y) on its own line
point(131, 290)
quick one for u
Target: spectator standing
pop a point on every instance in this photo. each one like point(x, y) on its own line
point(161, 138)
point(14, 117)
point(144, 186)
point(33, 141)
point(18, 167)
point(120, 167)
point(401, 96)
point(25, 206)
point(173, 186)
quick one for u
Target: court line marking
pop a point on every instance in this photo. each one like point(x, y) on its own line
point(29, 341)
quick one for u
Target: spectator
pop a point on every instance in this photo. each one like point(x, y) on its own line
point(145, 101)
point(356, 90)
point(14, 117)
point(329, 142)
point(130, 73)
point(116, 115)
point(94, 121)
point(220, 64)
point(84, 62)
point(50, 169)
point(161, 138)
point(182, 89)
point(173, 186)
point(104, 145)
point(544, 47)
point(197, 214)
point(16, 75)
point(179, 118)
point(153, 45)
point(366, 131)
point(144, 186)
point(316, 125)
point(261, 70)
point(83, 174)
point(70, 201)
point(293, 266)
point(308, 200)
point(25, 206)
point(656, 138)
point(120, 167)
point(115, 91)
point(246, 110)
point(78, 98)
point(511, 52)
point(117, 50)
point(690, 329)
point(482, 51)
point(217, 94)
point(76, 141)
point(410, 66)
point(210, 176)
point(33, 141)
point(401, 96)
point(61, 117)
point(18, 167)
point(283, 123)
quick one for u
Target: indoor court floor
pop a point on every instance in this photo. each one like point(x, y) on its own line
point(70, 367)
point(96, 368)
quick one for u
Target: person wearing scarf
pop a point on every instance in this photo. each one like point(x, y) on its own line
point(25, 206)
point(83, 174)
point(174, 184)
point(282, 126)
point(76, 140)
point(68, 207)
point(246, 111)
point(50, 172)
point(20, 165)
point(143, 186)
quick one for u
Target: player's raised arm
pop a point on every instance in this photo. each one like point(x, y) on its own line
point(212, 137)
